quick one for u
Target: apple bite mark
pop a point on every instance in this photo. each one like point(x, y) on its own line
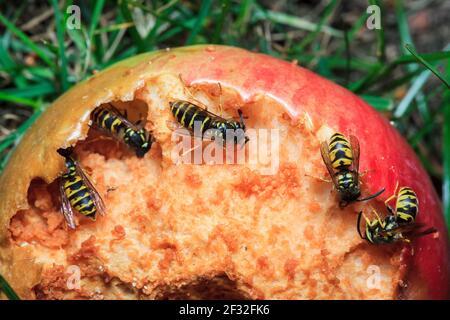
point(171, 226)
point(242, 224)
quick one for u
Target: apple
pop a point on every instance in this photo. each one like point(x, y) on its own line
point(173, 229)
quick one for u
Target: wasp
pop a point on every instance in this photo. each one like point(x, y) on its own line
point(388, 230)
point(406, 206)
point(188, 113)
point(110, 120)
point(77, 191)
point(399, 224)
point(341, 158)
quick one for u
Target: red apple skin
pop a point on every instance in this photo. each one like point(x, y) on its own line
point(385, 154)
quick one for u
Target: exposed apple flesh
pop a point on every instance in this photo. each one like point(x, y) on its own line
point(171, 227)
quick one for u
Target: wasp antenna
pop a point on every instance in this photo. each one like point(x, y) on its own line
point(358, 225)
point(372, 196)
point(394, 195)
point(220, 98)
point(241, 118)
point(378, 217)
point(428, 231)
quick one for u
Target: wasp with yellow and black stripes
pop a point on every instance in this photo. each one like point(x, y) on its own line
point(399, 225)
point(110, 120)
point(187, 114)
point(341, 158)
point(77, 191)
point(388, 230)
point(406, 206)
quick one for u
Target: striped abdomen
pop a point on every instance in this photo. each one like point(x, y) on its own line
point(407, 205)
point(340, 152)
point(77, 192)
point(188, 113)
point(109, 121)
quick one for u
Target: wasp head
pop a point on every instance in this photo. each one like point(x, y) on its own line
point(141, 142)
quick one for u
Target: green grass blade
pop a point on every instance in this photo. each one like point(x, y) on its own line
point(60, 27)
point(203, 13)
point(379, 103)
point(128, 18)
point(328, 11)
point(428, 65)
point(95, 17)
point(30, 91)
point(446, 155)
point(19, 100)
point(225, 8)
point(27, 41)
point(114, 27)
point(381, 43)
point(446, 164)
point(411, 60)
point(403, 26)
point(353, 32)
point(296, 22)
point(7, 290)
point(14, 138)
point(243, 16)
point(405, 38)
point(404, 105)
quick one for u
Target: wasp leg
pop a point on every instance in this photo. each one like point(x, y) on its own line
point(393, 196)
point(189, 93)
point(378, 218)
point(220, 99)
point(371, 196)
point(368, 222)
point(318, 178)
point(358, 225)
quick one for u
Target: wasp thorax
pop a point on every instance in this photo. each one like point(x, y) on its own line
point(139, 142)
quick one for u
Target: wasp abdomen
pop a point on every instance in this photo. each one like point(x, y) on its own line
point(340, 152)
point(407, 205)
point(111, 121)
point(78, 194)
point(188, 113)
point(107, 120)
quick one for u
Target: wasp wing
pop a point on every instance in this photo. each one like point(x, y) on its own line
point(119, 115)
point(182, 131)
point(413, 230)
point(66, 207)
point(326, 159)
point(98, 201)
point(354, 143)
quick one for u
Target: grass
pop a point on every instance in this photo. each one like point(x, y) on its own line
point(411, 88)
point(9, 292)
